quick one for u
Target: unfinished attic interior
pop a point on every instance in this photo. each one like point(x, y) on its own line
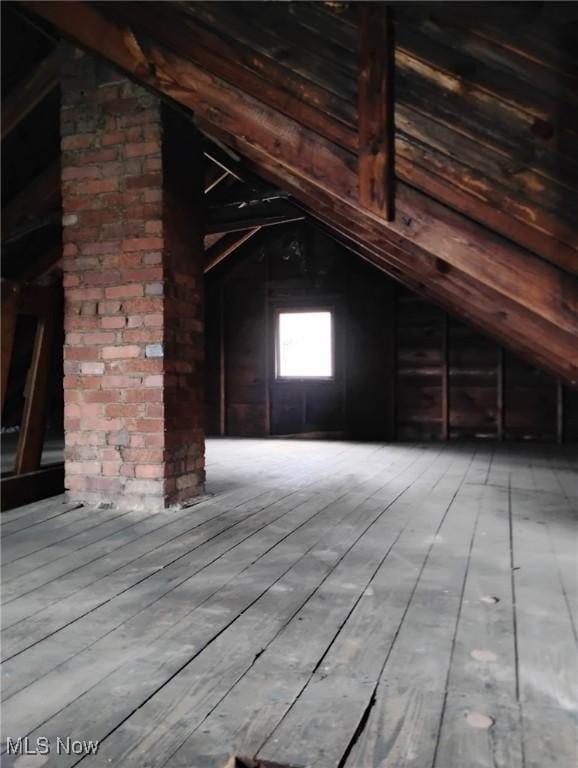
point(289, 384)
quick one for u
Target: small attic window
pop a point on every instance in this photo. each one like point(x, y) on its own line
point(304, 348)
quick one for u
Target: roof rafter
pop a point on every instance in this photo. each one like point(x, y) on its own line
point(31, 92)
point(458, 262)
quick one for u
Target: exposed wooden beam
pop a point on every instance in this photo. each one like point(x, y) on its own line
point(376, 109)
point(222, 361)
point(31, 92)
point(40, 197)
point(10, 302)
point(35, 225)
point(445, 378)
point(215, 175)
point(24, 489)
point(31, 436)
point(251, 222)
point(331, 117)
point(468, 269)
point(226, 246)
point(470, 302)
point(559, 412)
point(500, 391)
point(268, 345)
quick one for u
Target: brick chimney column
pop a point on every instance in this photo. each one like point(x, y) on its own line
point(132, 199)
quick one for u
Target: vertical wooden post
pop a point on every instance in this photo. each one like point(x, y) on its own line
point(31, 437)
point(270, 341)
point(376, 109)
point(445, 379)
point(10, 298)
point(559, 412)
point(500, 395)
point(222, 362)
point(392, 321)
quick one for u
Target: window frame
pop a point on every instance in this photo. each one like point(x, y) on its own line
point(286, 310)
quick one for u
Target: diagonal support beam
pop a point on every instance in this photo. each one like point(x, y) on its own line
point(31, 92)
point(31, 437)
point(41, 196)
point(376, 109)
point(226, 246)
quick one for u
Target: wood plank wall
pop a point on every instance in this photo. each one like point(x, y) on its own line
point(404, 369)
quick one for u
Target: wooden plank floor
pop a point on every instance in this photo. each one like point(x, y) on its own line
point(329, 604)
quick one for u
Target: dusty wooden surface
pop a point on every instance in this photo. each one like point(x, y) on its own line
point(330, 604)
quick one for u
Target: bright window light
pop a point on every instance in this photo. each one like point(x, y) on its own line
point(305, 345)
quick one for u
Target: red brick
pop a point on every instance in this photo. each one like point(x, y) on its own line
point(149, 470)
point(113, 322)
point(95, 249)
point(80, 323)
point(153, 440)
point(135, 134)
point(77, 142)
point(108, 170)
point(114, 410)
point(150, 180)
point(144, 395)
point(141, 365)
point(144, 275)
point(153, 321)
point(141, 336)
point(142, 244)
point(80, 294)
point(92, 369)
point(140, 149)
point(120, 352)
point(101, 396)
point(70, 249)
point(109, 307)
point(97, 186)
point(152, 195)
point(153, 164)
point(130, 260)
point(151, 305)
point(111, 468)
point(144, 455)
point(154, 227)
point(80, 172)
point(88, 203)
point(99, 338)
point(80, 235)
point(133, 290)
point(75, 382)
point(153, 381)
point(83, 354)
point(120, 382)
point(139, 118)
point(75, 483)
point(103, 277)
point(113, 137)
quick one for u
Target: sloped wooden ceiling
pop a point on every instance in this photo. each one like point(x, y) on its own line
point(485, 137)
